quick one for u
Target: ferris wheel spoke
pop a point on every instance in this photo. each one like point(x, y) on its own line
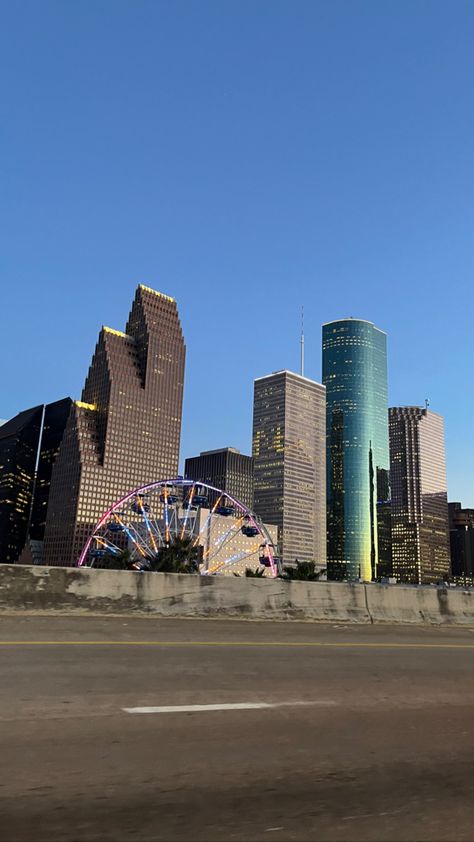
point(174, 522)
point(101, 539)
point(233, 560)
point(206, 523)
point(147, 524)
point(188, 509)
point(221, 542)
point(129, 533)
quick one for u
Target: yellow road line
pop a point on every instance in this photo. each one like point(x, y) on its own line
point(233, 643)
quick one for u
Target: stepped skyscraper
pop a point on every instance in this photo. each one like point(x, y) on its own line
point(125, 431)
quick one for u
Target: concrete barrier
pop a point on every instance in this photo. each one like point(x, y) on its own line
point(175, 595)
point(437, 606)
point(172, 595)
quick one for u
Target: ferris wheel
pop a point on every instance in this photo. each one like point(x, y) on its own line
point(222, 533)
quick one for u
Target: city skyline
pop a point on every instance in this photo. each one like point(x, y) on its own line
point(466, 500)
point(335, 174)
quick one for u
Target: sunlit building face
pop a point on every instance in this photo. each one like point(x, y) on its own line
point(355, 376)
point(420, 521)
point(289, 463)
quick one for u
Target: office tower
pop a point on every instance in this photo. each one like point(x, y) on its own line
point(125, 430)
point(461, 535)
point(226, 469)
point(29, 444)
point(355, 376)
point(420, 529)
point(19, 440)
point(289, 463)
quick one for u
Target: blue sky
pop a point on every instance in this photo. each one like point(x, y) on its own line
point(246, 158)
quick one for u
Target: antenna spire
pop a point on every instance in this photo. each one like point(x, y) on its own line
point(302, 344)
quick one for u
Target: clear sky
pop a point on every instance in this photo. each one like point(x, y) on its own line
point(246, 158)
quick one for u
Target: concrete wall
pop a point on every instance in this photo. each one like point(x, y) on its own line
point(170, 595)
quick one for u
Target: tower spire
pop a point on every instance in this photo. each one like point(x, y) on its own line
point(302, 344)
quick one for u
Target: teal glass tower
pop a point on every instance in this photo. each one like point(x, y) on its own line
point(358, 461)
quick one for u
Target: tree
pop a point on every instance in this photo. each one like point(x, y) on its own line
point(181, 555)
point(259, 573)
point(114, 561)
point(303, 571)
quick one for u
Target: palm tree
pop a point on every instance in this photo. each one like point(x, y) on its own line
point(254, 574)
point(181, 555)
point(115, 561)
point(302, 571)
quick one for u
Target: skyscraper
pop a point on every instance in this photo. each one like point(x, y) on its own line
point(461, 536)
point(29, 444)
point(19, 439)
point(420, 525)
point(289, 463)
point(227, 469)
point(125, 430)
point(355, 376)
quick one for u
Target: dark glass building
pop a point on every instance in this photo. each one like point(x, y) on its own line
point(420, 528)
point(461, 536)
point(358, 494)
point(29, 444)
point(125, 431)
point(289, 434)
point(19, 440)
point(227, 469)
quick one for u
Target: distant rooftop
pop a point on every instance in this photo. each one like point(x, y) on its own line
point(352, 319)
point(219, 450)
point(287, 371)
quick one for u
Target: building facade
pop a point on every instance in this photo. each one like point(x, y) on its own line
point(29, 444)
point(290, 462)
point(226, 469)
point(461, 536)
point(420, 526)
point(19, 439)
point(358, 494)
point(125, 431)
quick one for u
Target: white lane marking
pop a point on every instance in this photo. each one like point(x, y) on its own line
point(230, 706)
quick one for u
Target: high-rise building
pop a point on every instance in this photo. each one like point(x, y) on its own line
point(420, 528)
point(125, 430)
point(461, 535)
point(355, 376)
point(29, 444)
point(226, 469)
point(18, 453)
point(290, 463)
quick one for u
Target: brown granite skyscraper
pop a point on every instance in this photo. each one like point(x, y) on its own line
point(125, 431)
point(420, 523)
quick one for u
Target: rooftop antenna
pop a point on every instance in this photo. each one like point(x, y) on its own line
point(302, 344)
point(427, 403)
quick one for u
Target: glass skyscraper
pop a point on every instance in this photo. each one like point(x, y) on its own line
point(358, 493)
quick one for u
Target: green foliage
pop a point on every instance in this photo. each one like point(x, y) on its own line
point(303, 571)
point(180, 556)
point(259, 573)
point(114, 561)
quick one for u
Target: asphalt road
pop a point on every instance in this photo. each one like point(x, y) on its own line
point(367, 734)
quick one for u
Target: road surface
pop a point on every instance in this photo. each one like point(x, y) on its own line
point(116, 728)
